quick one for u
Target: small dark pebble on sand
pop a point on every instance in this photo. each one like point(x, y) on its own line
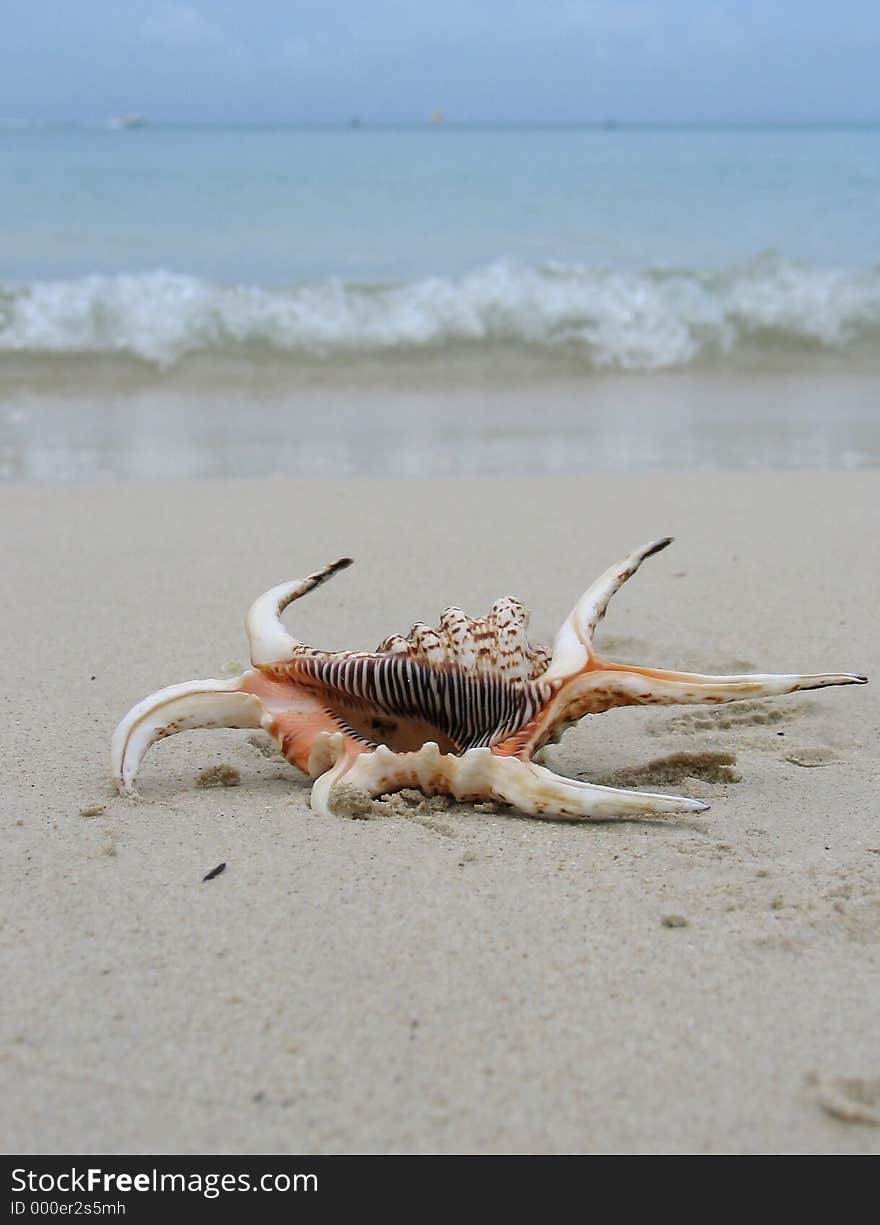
point(214, 872)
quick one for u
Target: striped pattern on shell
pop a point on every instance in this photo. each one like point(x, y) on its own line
point(467, 709)
point(473, 680)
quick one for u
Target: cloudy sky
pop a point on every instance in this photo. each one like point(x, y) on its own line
point(392, 60)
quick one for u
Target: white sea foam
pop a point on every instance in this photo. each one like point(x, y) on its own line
point(647, 320)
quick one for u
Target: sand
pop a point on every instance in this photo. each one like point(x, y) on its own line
point(468, 981)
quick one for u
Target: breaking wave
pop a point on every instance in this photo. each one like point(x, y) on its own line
point(653, 319)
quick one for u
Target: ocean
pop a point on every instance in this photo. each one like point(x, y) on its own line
point(241, 276)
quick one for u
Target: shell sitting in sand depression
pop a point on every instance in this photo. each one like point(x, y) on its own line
point(460, 709)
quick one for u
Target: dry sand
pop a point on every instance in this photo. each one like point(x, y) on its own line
point(464, 980)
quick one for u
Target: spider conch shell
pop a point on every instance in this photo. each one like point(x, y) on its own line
point(458, 709)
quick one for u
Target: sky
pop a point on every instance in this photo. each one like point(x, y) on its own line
point(474, 60)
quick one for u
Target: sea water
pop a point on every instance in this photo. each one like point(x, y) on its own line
point(489, 253)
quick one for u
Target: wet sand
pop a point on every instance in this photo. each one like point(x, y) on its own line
point(70, 419)
point(466, 981)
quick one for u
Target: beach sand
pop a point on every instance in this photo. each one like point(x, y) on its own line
point(461, 981)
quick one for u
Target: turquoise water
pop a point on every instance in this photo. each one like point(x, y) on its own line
point(201, 300)
point(273, 206)
point(628, 248)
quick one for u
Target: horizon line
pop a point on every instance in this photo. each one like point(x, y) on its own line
point(357, 120)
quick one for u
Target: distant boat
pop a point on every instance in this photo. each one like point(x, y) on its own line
point(121, 122)
point(436, 118)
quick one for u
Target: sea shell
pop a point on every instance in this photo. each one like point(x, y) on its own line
point(460, 708)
